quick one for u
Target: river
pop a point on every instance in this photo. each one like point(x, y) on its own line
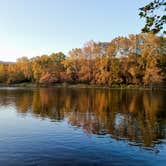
point(79, 126)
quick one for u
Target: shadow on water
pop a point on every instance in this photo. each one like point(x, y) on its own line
point(137, 117)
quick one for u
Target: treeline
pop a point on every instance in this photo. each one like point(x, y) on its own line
point(136, 60)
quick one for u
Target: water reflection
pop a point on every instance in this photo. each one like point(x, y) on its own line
point(138, 116)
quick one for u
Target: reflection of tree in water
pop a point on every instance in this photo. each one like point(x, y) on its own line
point(137, 116)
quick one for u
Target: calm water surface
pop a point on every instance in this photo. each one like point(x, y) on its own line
point(55, 126)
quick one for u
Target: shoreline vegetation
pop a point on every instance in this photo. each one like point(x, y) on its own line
point(82, 85)
point(134, 62)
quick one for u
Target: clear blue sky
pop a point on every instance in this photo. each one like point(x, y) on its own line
point(35, 27)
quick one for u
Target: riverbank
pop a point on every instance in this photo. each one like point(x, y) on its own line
point(80, 85)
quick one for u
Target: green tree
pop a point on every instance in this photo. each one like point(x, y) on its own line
point(155, 16)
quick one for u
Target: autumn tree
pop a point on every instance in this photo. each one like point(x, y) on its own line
point(2, 73)
point(14, 74)
point(24, 65)
point(38, 68)
point(47, 69)
point(90, 52)
point(72, 64)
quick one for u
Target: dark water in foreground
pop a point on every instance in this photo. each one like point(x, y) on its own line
point(82, 127)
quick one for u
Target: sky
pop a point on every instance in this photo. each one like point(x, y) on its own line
point(35, 27)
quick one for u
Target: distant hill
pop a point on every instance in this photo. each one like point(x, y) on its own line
point(3, 62)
